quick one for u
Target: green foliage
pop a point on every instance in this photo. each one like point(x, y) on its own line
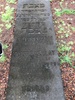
point(57, 12)
point(65, 59)
point(73, 54)
point(60, 12)
point(64, 48)
point(73, 28)
point(50, 0)
point(64, 31)
point(8, 26)
point(68, 11)
point(70, 43)
point(5, 46)
point(66, 35)
point(0, 30)
point(66, 56)
point(11, 1)
point(2, 58)
point(7, 16)
point(62, 0)
point(61, 29)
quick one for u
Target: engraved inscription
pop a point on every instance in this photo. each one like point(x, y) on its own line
point(54, 63)
point(35, 28)
point(37, 14)
point(33, 5)
point(38, 39)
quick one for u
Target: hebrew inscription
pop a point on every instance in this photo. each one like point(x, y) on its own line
point(34, 70)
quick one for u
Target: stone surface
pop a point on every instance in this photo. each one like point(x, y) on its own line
point(34, 69)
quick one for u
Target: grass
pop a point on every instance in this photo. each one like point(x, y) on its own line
point(8, 26)
point(6, 17)
point(5, 46)
point(3, 57)
point(63, 10)
point(65, 51)
point(0, 30)
point(66, 55)
point(60, 12)
point(11, 1)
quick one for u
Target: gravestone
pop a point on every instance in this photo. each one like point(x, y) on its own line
point(34, 70)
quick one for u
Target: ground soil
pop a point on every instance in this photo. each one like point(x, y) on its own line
point(68, 73)
point(6, 37)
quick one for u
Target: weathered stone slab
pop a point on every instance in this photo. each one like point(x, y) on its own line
point(34, 69)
